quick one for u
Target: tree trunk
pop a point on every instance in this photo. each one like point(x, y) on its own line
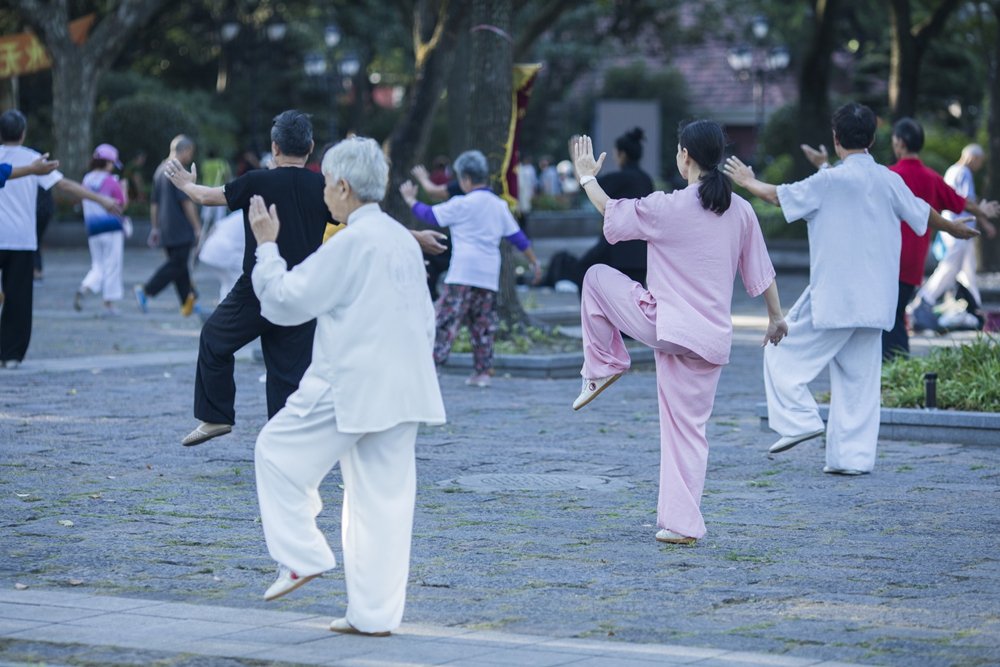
point(433, 41)
point(814, 83)
point(990, 248)
point(491, 94)
point(909, 44)
point(459, 87)
point(904, 61)
point(74, 95)
point(76, 68)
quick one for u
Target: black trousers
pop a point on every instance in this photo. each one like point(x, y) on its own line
point(236, 322)
point(18, 286)
point(174, 270)
point(897, 341)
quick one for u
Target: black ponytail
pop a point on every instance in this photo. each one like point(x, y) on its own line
point(705, 142)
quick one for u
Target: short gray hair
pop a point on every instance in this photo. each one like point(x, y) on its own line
point(972, 150)
point(361, 162)
point(181, 143)
point(473, 166)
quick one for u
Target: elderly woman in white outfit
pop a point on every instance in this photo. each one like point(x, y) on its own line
point(372, 380)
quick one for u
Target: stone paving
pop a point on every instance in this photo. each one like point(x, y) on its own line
point(97, 497)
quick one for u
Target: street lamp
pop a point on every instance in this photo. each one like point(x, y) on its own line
point(756, 62)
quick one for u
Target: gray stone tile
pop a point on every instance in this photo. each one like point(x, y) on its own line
point(678, 654)
point(12, 625)
point(224, 648)
point(281, 635)
point(246, 616)
point(49, 614)
point(523, 657)
point(76, 600)
point(746, 658)
point(321, 652)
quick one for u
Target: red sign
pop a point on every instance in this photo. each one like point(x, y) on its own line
point(24, 53)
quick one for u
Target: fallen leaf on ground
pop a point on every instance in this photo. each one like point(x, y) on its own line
point(20, 587)
point(65, 522)
point(75, 582)
point(22, 495)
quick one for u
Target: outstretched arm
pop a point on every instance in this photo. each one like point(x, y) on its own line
point(587, 168)
point(433, 190)
point(74, 189)
point(743, 176)
point(983, 212)
point(956, 228)
point(41, 166)
point(187, 182)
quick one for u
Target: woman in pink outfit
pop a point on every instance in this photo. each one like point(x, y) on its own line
point(698, 238)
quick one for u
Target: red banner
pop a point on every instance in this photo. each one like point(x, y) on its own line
point(524, 79)
point(24, 53)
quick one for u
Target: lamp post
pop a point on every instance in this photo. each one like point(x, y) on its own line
point(756, 62)
point(333, 70)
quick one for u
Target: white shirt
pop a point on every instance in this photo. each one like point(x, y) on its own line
point(225, 244)
point(18, 200)
point(527, 183)
point(478, 220)
point(367, 289)
point(960, 178)
point(853, 212)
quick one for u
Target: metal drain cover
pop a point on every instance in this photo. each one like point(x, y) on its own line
point(532, 482)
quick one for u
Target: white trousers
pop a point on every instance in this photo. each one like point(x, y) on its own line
point(107, 254)
point(295, 451)
point(958, 264)
point(854, 356)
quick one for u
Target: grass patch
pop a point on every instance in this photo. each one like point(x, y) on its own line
point(968, 377)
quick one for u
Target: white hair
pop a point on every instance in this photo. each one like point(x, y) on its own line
point(972, 150)
point(361, 162)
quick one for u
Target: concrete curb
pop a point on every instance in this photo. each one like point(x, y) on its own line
point(564, 365)
point(953, 426)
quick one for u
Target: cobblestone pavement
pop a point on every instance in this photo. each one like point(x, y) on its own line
point(96, 495)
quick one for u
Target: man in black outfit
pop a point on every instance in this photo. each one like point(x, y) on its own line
point(298, 194)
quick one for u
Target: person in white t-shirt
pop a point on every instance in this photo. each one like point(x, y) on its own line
point(958, 266)
point(479, 219)
point(18, 235)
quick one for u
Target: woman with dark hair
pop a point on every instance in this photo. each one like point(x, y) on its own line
point(629, 257)
point(698, 238)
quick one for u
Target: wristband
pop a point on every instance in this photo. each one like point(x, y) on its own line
point(586, 179)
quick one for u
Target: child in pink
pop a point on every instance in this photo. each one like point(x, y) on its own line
point(698, 238)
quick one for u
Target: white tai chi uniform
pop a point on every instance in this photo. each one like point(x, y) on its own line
point(372, 379)
point(853, 212)
point(959, 261)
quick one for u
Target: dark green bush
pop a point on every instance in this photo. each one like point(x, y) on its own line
point(968, 377)
point(143, 124)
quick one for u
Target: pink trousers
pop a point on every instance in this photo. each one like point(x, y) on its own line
point(612, 304)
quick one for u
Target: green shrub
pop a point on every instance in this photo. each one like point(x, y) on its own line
point(968, 377)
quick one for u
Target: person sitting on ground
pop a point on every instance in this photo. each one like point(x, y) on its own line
point(699, 238)
point(370, 383)
point(478, 220)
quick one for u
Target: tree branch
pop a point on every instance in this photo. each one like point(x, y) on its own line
point(542, 22)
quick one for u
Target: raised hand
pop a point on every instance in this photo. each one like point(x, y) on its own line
point(990, 208)
point(42, 165)
point(816, 157)
point(409, 191)
point(740, 173)
point(582, 154)
point(180, 176)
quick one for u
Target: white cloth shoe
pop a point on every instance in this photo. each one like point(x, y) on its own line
point(843, 471)
point(286, 582)
point(789, 441)
point(592, 388)
point(478, 380)
point(342, 626)
point(670, 537)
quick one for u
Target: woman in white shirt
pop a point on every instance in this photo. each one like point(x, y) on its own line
point(371, 382)
point(479, 220)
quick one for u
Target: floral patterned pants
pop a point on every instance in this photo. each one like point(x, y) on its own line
point(475, 307)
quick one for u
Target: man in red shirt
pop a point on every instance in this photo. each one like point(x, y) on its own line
point(907, 140)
